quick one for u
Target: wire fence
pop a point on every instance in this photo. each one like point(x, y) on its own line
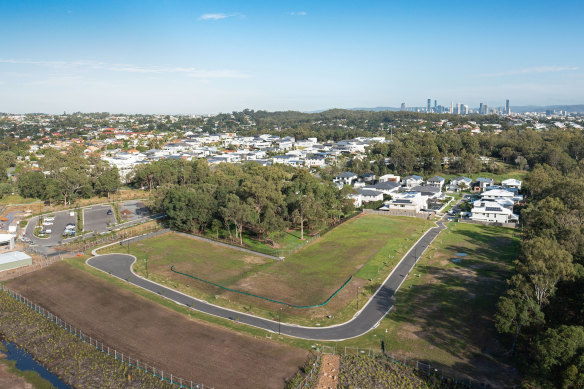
point(311, 378)
point(422, 367)
point(100, 346)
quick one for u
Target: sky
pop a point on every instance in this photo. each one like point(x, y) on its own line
point(203, 57)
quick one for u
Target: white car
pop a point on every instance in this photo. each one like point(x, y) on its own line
point(49, 219)
point(47, 223)
point(46, 232)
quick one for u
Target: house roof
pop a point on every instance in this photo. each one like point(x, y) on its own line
point(482, 179)
point(368, 192)
point(346, 175)
point(436, 179)
point(425, 189)
point(413, 177)
point(385, 185)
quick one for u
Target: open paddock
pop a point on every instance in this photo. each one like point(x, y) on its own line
point(157, 335)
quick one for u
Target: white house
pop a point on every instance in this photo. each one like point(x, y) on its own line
point(411, 181)
point(389, 177)
point(459, 182)
point(406, 201)
point(489, 211)
point(511, 183)
point(365, 196)
point(436, 181)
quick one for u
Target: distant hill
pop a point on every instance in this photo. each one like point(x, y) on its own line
point(537, 108)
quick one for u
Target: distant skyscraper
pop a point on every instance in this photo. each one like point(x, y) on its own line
point(458, 112)
point(464, 109)
point(435, 105)
point(481, 109)
point(429, 105)
point(451, 108)
point(507, 107)
point(403, 106)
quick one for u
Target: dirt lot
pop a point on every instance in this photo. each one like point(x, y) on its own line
point(188, 348)
point(11, 381)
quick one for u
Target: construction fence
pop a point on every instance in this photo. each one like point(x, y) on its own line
point(100, 346)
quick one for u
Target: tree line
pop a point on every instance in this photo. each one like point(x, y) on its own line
point(543, 309)
point(67, 177)
point(262, 201)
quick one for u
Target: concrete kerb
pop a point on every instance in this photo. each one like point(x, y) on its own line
point(265, 319)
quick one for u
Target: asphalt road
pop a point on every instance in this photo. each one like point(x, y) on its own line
point(120, 265)
point(96, 218)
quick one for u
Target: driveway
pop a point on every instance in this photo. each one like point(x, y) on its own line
point(120, 265)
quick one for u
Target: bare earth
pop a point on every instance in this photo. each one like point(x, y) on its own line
point(329, 372)
point(188, 348)
point(11, 381)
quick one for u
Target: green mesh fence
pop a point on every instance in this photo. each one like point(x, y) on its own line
point(265, 298)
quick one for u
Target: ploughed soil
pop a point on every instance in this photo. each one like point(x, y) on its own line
point(134, 325)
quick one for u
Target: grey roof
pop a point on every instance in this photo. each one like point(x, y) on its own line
point(425, 189)
point(386, 185)
point(436, 179)
point(482, 179)
point(367, 192)
point(413, 177)
point(346, 175)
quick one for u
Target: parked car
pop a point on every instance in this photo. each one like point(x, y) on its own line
point(109, 212)
point(45, 232)
point(47, 223)
point(49, 218)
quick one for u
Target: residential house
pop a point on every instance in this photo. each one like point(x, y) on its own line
point(365, 196)
point(346, 178)
point(411, 181)
point(386, 187)
point(436, 181)
point(489, 211)
point(388, 177)
point(511, 183)
point(459, 183)
point(481, 184)
point(406, 201)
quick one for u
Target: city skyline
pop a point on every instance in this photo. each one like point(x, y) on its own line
point(222, 56)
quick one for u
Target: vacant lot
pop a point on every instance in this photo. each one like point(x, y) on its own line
point(365, 247)
point(444, 310)
point(157, 335)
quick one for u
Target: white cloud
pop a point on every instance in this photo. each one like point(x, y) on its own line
point(131, 68)
point(534, 70)
point(218, 16)
point(298, 13)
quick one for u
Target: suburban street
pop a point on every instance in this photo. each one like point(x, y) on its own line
point(119, 265)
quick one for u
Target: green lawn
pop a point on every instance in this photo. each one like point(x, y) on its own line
point(443, 312)
point(366, 247)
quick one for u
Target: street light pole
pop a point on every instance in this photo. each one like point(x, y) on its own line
point(358, 288)
point(279, 321)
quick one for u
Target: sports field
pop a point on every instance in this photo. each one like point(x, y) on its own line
point(156, 335)
point(366, 247)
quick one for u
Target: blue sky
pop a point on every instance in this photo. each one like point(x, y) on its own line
point(218, 56)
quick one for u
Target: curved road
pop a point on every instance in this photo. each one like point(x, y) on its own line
point(120, 265)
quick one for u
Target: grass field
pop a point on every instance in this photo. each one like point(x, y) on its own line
point(366, 247)
point(159, 336)
point(444, 310)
